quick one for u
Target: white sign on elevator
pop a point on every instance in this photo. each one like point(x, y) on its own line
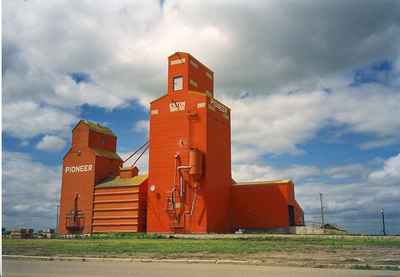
point(78, 169)
point(177, 106)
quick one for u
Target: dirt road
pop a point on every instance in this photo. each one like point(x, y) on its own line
point(25, 268)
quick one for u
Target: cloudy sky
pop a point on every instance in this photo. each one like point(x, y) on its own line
point(314, 88)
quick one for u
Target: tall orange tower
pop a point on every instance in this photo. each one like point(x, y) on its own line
point(91, 159)
point(189, 154)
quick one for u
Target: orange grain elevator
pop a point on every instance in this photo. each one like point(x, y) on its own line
point(188, 189)
point(97, 194)
point(189, 153)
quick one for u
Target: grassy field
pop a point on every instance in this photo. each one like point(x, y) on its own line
point(156, 246)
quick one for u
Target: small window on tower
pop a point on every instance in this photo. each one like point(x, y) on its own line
point(178, 83)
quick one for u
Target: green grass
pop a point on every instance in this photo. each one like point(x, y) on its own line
point(158, 246)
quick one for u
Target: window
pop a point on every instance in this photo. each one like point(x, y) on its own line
point(178, 83)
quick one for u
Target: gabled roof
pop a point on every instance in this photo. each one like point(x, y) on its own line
point(159, 98)
point(179, 53)
point(96, 127)
point(122, 182)
point(270, 183)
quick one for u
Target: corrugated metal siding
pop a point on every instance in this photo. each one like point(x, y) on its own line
point(119, 209)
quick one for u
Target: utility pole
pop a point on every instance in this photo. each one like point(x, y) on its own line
point(383, 222)
point(322, 211)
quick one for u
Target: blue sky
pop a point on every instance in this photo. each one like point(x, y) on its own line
point(314, 98)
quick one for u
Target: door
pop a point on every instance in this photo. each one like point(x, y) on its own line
point(291, 216)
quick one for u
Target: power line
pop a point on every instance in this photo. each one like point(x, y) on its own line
point(137, 150)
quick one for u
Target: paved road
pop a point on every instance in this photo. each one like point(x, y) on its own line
point(24, 268)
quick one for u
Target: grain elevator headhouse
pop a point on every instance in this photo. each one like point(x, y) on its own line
point(189, 154)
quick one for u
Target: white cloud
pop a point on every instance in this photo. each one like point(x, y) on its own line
point(123, 47)
point(279, 123)
point(28, 119)
point(367, 109)
point(69, 93)
point(347, 171)
point(51, 144)
point(389, 174)
point(30, 191)
point(378, 143)
point(141, 126)
point(261, 172)
point(244, 153)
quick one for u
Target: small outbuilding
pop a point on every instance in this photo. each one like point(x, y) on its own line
point(263, 205)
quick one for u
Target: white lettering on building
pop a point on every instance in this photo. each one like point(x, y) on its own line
point(78, 169)
point(177, 61)
point(177, 106)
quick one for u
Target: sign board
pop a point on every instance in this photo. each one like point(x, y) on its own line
point(177, 106)
point(78, 168)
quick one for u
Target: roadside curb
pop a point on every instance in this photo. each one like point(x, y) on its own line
point(196, 261)
point(142, 260)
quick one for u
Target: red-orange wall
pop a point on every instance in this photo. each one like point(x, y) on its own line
point(167, 129)
point(218, 170)
point(81, 152)
point(102, 141)
point(199, 125)
point(191, 69)
point(298, 214)
point(263, 206)
point(106, 168)
point(81, 183)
